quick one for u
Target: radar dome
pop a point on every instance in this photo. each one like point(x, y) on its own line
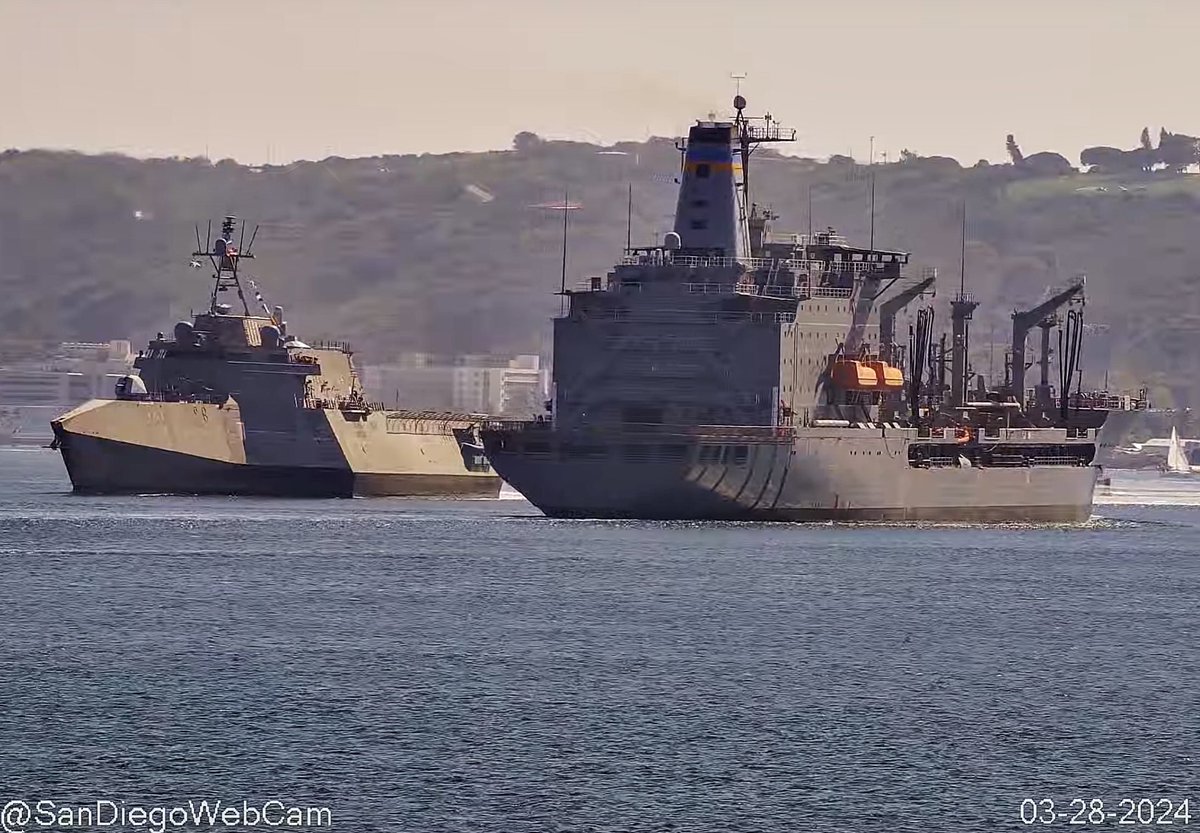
point(130, 387)
point(672, 242)
point(270, 335)
point(739, 103)
point(185, 333)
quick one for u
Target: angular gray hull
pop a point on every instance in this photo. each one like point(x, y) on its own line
point(815, 478)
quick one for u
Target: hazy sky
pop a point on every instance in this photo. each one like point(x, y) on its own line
point(276, 80)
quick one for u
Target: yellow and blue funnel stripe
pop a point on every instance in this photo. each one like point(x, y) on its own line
point(718, 157)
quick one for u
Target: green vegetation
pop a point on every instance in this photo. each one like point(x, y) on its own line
point(409, 253)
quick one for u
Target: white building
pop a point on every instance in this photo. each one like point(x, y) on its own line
point(524, 388)
point(472, 384)
point(34, 391)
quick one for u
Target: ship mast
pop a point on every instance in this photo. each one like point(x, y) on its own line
point(225, 258)
point(748, 137)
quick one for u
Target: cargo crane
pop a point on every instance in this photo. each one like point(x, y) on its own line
point(1025, 320)
point(887, 315)
point(888, 348)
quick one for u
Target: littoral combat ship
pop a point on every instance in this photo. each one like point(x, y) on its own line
point(235, 404)
point(734, 373)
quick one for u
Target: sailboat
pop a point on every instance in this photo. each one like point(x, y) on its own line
point(1177, 461)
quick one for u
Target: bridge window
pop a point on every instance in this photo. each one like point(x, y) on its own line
point(698, 225)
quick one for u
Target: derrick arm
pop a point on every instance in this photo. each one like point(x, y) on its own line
point(1024, 321)
point(888, 310)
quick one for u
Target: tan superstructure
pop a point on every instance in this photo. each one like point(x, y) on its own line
point(232, 404)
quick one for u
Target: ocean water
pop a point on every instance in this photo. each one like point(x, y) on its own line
point(472, 666)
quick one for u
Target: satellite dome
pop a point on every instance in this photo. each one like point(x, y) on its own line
point(185, 333)
point(270, 335)
point(671, 241)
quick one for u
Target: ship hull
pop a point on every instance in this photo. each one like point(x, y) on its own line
point(819, 478)
point(121, 447)
point(102, 466)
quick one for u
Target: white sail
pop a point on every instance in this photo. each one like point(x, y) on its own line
point(1177, 461)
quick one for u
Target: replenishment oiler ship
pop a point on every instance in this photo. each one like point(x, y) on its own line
point(234, 404)
point(734, 373)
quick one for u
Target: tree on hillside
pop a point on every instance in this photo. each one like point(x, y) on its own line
point(1177, 150)
point(525, 141)
point(1047, 163)
point(1146, 144)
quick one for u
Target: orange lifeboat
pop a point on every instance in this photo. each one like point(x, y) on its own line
point(890, 378)
point(852, 375)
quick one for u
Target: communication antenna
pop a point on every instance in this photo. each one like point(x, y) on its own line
point(962, 262)
point(566, 214)
point(225, 258)
point(871, 163)
point(628, 220)
point(810, 217)
point(872, 246)
point(738, 78)
point(565, 206)
point(253, 237)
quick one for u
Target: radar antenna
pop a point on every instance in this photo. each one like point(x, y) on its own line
point(750, 135)
point(225, 256)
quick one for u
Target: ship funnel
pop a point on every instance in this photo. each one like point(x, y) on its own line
point(706, 216)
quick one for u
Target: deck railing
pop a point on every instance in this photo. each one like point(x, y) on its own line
point(667, 258)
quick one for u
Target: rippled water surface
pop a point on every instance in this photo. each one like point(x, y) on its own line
point(472, 666)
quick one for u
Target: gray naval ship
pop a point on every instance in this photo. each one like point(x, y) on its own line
point(735, 373)
point(235, 404)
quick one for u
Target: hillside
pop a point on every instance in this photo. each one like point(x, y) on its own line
point(450, 253)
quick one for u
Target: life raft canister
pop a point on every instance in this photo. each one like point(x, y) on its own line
point(852, 375)
point(890, 378)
